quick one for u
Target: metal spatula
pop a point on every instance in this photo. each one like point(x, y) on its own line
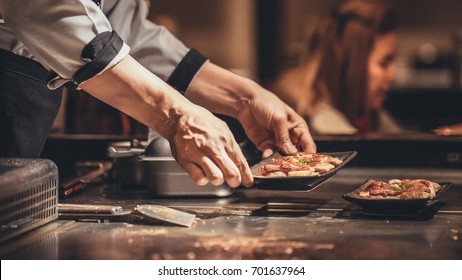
point(144, 214)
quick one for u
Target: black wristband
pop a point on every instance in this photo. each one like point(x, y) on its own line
point(186, 70)
point(99, 52)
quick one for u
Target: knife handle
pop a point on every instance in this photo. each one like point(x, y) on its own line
point(88, 209)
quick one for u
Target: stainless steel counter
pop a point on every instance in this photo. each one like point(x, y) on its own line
point(256, 224)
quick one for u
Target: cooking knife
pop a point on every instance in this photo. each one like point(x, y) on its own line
point(144, 214)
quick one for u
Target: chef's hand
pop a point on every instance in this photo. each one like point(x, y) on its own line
point(205, 147)
point(272, 125)
point(268, 122)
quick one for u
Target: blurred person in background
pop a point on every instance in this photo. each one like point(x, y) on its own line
point(341, 86)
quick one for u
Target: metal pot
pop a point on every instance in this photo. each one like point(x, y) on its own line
point(165, 177)
point(128, 170)
point(155, 168)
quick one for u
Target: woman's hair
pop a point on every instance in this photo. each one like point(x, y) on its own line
point(336, 68)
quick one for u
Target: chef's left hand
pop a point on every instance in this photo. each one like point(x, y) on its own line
point(268, 122)
point(272, 125)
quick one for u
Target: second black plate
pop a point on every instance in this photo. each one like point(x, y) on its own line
point(392, 207)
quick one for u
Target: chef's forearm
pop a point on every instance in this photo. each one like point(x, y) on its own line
point(220, 90)
point(134, 90)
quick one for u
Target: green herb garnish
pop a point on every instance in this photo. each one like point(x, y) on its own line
point(396, 186)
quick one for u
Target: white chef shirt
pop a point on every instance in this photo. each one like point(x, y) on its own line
point(54, 32)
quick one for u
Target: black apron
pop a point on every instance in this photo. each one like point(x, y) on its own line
point(27, 107)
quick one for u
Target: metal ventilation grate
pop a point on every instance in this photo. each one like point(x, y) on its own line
point(34, 203)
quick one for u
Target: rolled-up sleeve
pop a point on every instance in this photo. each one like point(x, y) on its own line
point(65, 36)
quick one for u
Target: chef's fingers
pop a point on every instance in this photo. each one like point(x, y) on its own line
point(282, 136)
point(307, 143)
point(230, 171)
point(225, 163)
point(267, 153)
point(196, 173)
point(211, 170)
point(267, 146)
point(242, 166)
point(304, 139)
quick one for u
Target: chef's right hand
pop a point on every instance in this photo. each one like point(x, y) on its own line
point(204, 146)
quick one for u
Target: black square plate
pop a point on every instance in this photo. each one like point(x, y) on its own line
point(303, 183)
point(393, 206)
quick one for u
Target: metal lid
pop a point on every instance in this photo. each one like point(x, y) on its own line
point(159, 147)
